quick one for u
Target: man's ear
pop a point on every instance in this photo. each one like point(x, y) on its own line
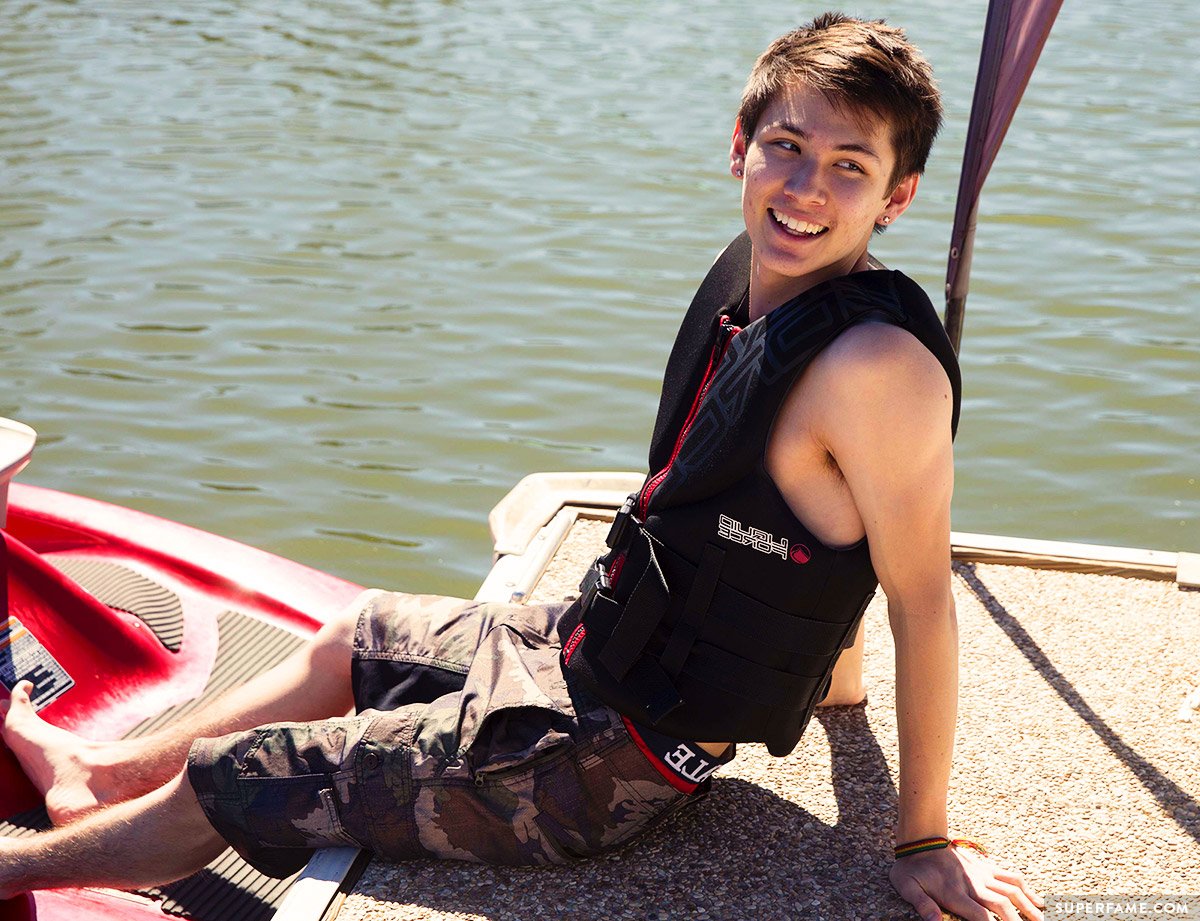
point(737, 150)
point(902, 196)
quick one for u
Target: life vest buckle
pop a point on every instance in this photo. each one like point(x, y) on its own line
point(590, 582)
point(618, 534)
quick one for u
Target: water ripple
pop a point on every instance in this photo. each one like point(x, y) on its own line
point(447, 244)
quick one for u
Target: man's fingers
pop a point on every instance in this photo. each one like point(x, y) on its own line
point(968, 908)
point(976, 890)
point(1016, 879)
point(1018, 898)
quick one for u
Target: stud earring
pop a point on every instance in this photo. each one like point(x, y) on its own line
point(738, 172)
point(885, 220)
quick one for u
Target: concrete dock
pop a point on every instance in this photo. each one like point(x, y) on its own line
point(1077, 763)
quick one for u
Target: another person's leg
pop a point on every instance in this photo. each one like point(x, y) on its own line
point(77, 776)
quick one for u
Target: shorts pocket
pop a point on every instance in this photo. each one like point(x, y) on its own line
point(595, 801)
point(515, 707)
point(330, 823)
point(295, 812)
point(295, 779)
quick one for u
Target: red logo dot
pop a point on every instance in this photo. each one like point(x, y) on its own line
point(799, 553)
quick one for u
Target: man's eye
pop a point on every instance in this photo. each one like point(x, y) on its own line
point(851, 165)
point(788, 145)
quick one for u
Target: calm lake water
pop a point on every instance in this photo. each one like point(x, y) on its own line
point(330, 277)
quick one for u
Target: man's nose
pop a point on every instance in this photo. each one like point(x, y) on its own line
point(805, 183)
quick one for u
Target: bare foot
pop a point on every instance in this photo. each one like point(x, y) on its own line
point(844, 697)
point(66, 769)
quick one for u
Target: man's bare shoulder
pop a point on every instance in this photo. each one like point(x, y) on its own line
point(875, 356)
point(869, 418)
point(872, 379)
point(884, 418)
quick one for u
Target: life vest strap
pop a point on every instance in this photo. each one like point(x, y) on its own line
point(654, 688)
point(619, 533)
point(695, 609)
point(642, 613)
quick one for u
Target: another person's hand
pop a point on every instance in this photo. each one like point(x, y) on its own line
point(962, 882)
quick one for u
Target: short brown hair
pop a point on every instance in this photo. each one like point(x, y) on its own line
point(864, 64)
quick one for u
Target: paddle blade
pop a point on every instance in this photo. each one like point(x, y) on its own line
point(1013, 38)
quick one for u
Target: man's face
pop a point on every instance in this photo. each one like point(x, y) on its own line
point(817, 180)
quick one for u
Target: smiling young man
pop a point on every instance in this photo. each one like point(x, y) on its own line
point(817, 179)
point(801, 456)
point(861, 445)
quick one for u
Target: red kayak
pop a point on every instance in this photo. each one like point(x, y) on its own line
point(123, 622)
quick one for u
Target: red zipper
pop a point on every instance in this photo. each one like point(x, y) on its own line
point(714, 360)
point(575, 639)
point(614, 571)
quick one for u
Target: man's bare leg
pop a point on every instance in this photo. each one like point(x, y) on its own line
point(77, 776)
point(158, 837)
point(847, 686)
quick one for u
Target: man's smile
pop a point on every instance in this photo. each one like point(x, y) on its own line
point(795, 227)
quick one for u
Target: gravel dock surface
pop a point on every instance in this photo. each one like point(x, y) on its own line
point(1076, 763)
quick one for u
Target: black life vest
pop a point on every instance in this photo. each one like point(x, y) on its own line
point(716, 615)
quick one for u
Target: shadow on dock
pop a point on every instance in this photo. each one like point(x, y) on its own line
point(1076, 763)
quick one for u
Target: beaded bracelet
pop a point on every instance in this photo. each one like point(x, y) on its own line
point(937, 843)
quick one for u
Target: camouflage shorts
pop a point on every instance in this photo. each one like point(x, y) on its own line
point(469, 744)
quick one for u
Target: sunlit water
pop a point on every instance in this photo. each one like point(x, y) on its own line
point(329, 278)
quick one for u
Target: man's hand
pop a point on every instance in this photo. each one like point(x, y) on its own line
point(964, 883)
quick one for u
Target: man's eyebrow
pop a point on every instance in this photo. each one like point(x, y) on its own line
point(865, 149)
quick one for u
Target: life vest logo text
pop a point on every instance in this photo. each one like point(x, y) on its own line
point(696, 773)
point(760, 540)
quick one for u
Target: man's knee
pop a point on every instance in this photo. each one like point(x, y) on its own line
point(333, 644)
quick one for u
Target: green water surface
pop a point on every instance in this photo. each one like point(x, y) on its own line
point(330, 277)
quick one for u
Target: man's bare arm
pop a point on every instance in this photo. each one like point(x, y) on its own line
point(885, 419)
point(886, 423)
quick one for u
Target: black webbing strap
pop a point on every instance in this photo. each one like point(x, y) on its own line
point(643, 611)
point(622, 524)
point(654, 688)
point(695, 609)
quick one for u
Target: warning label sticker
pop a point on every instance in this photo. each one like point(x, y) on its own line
point(24, 658)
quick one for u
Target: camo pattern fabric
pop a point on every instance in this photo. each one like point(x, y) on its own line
point(469, 744)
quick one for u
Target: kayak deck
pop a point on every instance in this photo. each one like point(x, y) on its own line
point(218, 613)
point(1075, 761)
point(228, 888)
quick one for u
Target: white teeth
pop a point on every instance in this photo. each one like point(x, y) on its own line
point(797, 226)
